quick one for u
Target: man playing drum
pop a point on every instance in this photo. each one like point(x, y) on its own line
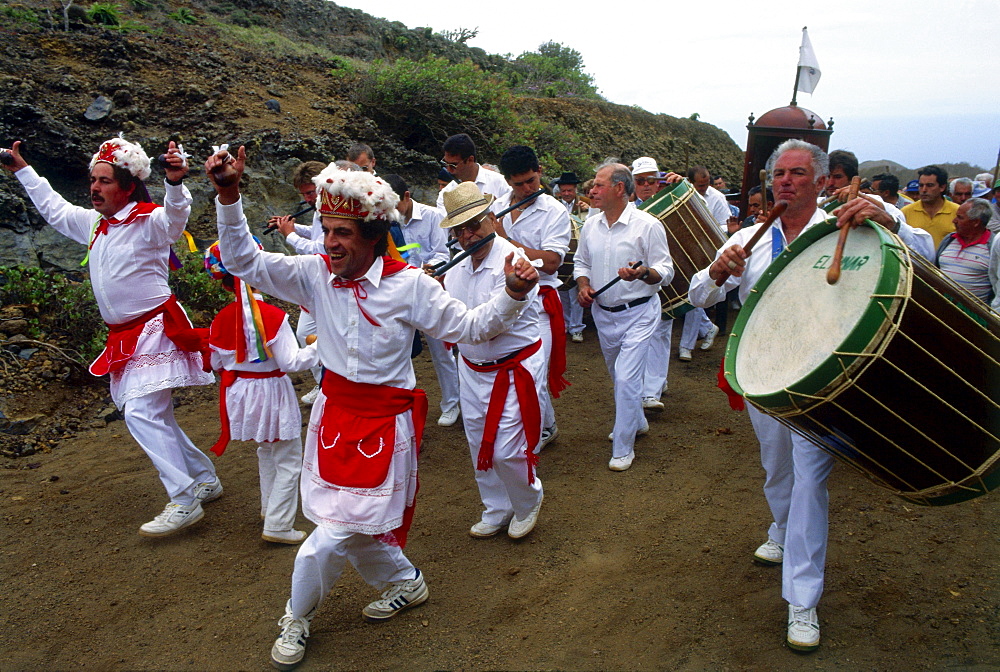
point(796, 469)
point(612, 243)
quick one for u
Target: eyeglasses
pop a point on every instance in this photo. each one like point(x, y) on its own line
point(450, 165)
point(470, 227)
point(647, 180)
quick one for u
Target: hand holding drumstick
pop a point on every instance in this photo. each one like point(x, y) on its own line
point(732, 261)
point(833, 273)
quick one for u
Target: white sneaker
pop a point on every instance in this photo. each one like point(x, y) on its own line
point(175, 517)
point(520, 528)
point(803, 628)
point(652, 404)
point(290, 647)
point(284, 536)
point(208, 492)
point(483, 530)
point(712, 333)
point(621, 463)
point(449, 417)
point(399, 597)
point(684, 354)
point(548, 435)
point(310, 396)
point(643, 431)
point(577, 337)
point(769, 554)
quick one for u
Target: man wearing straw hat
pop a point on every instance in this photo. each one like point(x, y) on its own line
point(502, 380)
point(151, 346)
point(612, 245)
point(359, 473)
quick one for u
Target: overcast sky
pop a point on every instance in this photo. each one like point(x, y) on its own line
point(914, 82)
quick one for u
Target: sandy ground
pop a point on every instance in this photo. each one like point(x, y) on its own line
point(641, 570)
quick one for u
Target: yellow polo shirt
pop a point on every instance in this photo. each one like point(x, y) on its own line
point(939, 226)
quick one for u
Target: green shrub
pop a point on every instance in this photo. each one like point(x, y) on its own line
point(425, 101)
point(56, 308)
point(19, 13)
point(184, 16)
point(195, 288)
point(105, 13)
point(554, 71)
point(140, 5)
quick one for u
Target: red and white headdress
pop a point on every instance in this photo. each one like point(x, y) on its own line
point(120, 152)
point(355, 195)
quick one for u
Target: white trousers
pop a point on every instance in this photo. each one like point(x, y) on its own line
point(307, 327)
point(696, 327)
point(504, 489)
point(572, 311)
point(796, 470)
point(625, 338)
point(658, 363)
point(279, 463)
point(150, 420)
point(321, 559)
point(545, 332)
point(446, 370)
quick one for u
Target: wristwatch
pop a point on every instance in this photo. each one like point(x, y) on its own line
point(644, 275)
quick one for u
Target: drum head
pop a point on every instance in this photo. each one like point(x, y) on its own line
point(797, 337)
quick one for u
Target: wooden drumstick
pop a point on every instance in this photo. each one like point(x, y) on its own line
point(776, 212)
point(833, 273)
point(763, 192)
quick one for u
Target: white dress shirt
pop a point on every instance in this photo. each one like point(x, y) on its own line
point(424, 228)
point(603, 249)
point(308, 239)
point(348, 343)
point(129, 265)
point(543, 225)
point(718, 206)
point(488, 181)
point(476, 287)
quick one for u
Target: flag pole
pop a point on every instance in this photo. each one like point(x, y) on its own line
point(798, 71)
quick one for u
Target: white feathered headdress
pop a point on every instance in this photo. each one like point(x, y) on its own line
point(120, 152)
point(355, 195)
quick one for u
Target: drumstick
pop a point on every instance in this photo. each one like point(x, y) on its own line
point(776, 212)
point(763, 192)
point(611, 284)
point(833, 273)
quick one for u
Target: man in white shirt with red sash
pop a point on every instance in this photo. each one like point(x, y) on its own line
point(612, 244)
point(501, 380)
point(359, 474)
point(151, 346)
point(542, 230)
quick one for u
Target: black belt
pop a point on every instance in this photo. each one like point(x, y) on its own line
point(630, 304)
point(502, 359)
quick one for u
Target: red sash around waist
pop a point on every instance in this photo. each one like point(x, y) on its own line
point(527, 399)
point(557, 323)
point(357, 436)
point(227, 379)
point(123, 338)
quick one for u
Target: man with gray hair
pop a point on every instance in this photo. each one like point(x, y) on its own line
point(964, 254)
point(960, 190)
point(623, 243)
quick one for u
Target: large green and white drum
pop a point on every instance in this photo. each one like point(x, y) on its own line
point(895, 369)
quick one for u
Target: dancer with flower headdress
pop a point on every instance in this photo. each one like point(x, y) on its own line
point(359, 474)
point(254, 347)
point(151, 345)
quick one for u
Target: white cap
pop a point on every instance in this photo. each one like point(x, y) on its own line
point(644, 164)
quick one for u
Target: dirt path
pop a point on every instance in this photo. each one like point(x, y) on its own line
point(646, 569)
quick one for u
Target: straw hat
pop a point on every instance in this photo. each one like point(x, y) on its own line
point(463, 203)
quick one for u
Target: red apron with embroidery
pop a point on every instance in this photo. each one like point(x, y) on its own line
point(357, 433)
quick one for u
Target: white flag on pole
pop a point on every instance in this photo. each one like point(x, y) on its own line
point(808, 66)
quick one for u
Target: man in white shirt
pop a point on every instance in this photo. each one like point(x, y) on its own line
point(421, 227)
point(502, 380)
point(460, 160)
point(541, 229)
point(577, 208)
point(625, 314)
point(304, 240)
point(151, 346)
point(360, 489)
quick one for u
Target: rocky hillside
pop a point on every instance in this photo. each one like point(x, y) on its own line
point(263, 73)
